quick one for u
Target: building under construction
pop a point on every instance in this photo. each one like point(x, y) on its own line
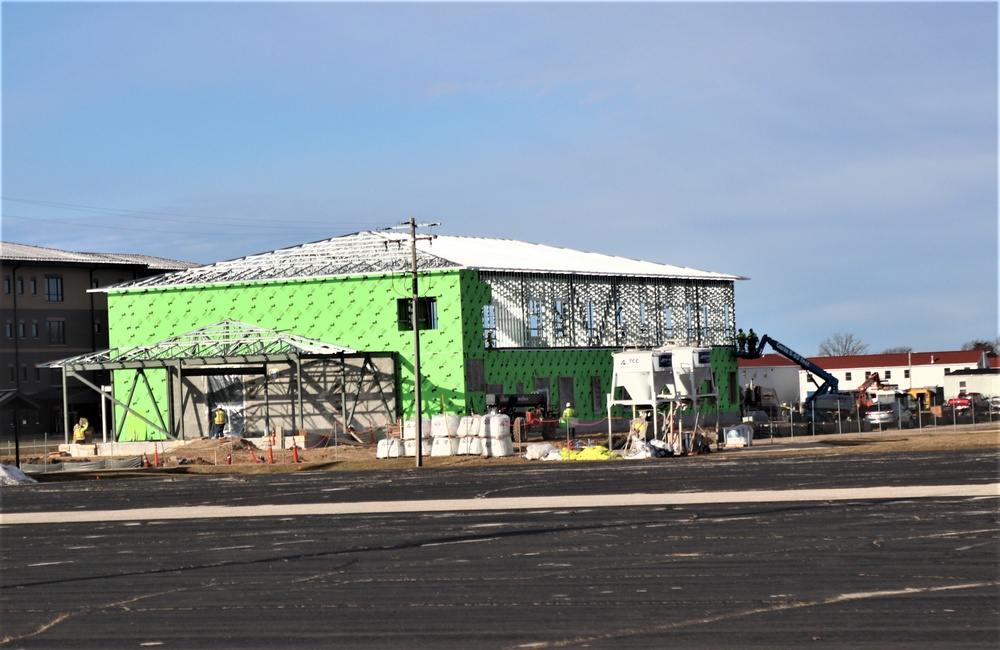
point(495, 316)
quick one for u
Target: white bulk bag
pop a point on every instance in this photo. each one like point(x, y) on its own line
point(470, 446)
point(470, 425)
point(444, 425)
point(497, 447)
point(389, 448)
point(444, 447)
point(410, 428)
point(411, 447)
point(495, 426)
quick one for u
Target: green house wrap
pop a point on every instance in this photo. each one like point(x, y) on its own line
point(495, 316)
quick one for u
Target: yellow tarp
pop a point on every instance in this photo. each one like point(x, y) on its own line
point(587, 453)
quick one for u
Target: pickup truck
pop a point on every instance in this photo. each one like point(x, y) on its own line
point(964, 400)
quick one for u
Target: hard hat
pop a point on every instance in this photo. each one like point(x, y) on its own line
point(567, 404)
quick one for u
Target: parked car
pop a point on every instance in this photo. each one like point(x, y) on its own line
point(889, 414)
point(966, 399)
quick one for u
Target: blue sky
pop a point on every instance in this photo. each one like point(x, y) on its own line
point(843, 156)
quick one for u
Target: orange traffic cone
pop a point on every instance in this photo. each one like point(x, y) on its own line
point(295, 453)
point(156, 456)
point(270, 455)
point(145, 460)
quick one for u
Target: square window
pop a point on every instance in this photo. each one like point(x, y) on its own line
point(426, 313)
point(847, 376)
point(888, 374)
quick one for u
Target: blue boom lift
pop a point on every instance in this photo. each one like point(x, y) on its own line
point(830, 385)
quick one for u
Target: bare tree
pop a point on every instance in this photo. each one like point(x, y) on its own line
point(989, 347)
point(841, 345)
point(899, 349)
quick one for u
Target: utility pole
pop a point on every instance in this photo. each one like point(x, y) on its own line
point(415, 320)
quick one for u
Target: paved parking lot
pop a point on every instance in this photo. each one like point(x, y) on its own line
point(868, 572)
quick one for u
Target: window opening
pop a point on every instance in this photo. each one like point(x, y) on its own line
point(53, 288)
point(57, 332)
point(557, 318)
point(490, 325)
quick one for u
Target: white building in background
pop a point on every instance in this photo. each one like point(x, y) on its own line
point(907, 370)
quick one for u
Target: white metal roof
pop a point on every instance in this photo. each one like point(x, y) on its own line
point(227, 341)
point(9, 251)
point(388, 252)
point(511, 255)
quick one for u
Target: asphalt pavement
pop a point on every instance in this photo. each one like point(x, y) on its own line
point(741, 565)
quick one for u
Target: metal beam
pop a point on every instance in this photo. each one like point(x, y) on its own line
point(123, 405)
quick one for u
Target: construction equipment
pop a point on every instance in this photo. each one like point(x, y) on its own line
point(672, 377)
point(928, 396)
point(830, 385)
point(871, 380)
point(532, 408)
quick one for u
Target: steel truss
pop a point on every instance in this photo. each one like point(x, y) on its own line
point(237, 348)
point(535, 310)
point(357, 254)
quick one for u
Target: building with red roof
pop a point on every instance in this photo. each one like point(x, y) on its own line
point(951, 370)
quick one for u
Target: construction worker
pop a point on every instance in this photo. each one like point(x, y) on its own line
point(741, 341)
point(567, 416)
point(80, 432)
point(220, 423)
point(752, 341)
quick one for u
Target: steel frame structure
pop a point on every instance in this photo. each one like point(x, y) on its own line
point(358, 254)
point(227, 344)
point(535, 310)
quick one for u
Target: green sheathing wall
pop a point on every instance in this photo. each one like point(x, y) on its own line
point(513, 367)
point(360, 313)
point(357, 312)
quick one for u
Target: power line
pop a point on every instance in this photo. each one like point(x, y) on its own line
point(172, 232)
point(181, 218)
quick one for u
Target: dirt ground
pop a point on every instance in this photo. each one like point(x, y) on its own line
point(207, 456)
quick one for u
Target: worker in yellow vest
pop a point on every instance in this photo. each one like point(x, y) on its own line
point(220, 423)
point(80, 432)
point(568, 417)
